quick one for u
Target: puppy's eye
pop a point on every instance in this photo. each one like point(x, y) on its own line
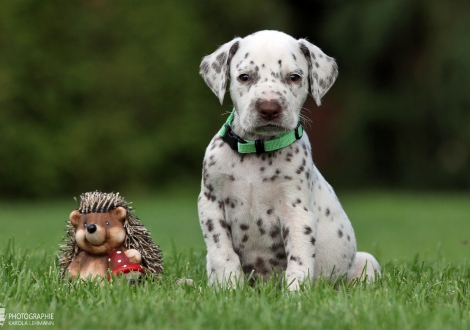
point(84, 225)
point(244, 78)
point(294, 78)
point(107, 223)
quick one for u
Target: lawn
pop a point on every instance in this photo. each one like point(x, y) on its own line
point(420, 239)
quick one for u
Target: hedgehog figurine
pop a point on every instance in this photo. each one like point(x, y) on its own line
point(104, 237)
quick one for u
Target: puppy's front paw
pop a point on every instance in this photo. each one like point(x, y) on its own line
point(292, 284)
point(294, 279)
point(226, 281)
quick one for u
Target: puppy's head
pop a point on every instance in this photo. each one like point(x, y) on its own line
point(270, 75)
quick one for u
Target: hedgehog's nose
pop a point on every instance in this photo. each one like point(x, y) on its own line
point(91, 229)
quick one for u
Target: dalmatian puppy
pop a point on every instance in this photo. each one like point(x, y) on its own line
point(271, 211)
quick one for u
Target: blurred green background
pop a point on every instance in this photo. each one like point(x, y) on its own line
point(106, 95)
point(99, 94)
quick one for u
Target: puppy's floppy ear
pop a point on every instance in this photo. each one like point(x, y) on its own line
point(322, 70)
point(215, 68)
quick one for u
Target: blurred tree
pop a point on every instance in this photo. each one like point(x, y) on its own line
point(106, 95)
point(403, 90)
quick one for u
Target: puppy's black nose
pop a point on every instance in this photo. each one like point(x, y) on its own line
point(91, 229)
point(269, 110)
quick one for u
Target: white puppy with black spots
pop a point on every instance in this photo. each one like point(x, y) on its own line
point(264, 207)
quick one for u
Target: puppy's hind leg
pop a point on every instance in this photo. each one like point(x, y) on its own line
point(365, 266)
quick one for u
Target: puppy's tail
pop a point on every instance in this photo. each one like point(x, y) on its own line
point(365, 267)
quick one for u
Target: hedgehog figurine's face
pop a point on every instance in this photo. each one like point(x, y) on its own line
point(99, 233)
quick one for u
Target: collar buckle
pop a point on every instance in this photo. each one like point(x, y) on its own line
point(231, 138)
point(259, 146)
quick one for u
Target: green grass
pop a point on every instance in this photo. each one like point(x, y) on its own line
point(420, 240)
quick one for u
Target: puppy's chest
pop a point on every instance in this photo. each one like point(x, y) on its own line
point(250, 181)
point(257, 191)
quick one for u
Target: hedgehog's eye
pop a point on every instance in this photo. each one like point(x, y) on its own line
point(84, 225)
point(107, 223)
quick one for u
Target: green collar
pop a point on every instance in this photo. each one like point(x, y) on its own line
point(259, 146)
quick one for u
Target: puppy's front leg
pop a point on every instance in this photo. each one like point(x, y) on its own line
point(223, 264)
point(299, 232)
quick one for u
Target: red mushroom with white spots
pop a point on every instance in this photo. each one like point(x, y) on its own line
point(119, 263)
